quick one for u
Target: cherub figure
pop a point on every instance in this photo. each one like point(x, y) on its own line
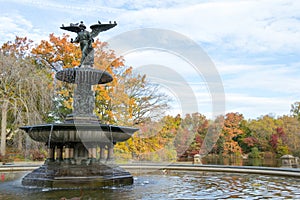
point(86, 39)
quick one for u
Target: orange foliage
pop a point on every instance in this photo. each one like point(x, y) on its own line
point(231, 130)
point(20, 47)
point(57, 51)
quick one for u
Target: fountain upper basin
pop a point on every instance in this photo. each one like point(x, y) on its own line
point(84, 75)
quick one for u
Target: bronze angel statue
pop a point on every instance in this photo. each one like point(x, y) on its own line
point(86, 39)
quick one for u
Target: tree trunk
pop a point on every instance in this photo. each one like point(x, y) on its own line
point(3, 127)
point(20, 141)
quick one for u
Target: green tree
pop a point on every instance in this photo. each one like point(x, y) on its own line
point(262, 129)
point(291, 127)
point(254, 153)
point(246, 140)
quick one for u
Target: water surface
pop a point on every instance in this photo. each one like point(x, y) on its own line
point(168, 185)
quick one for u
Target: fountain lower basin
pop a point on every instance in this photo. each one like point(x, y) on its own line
point(86, 132)
point(80, 155)
point(89, 176)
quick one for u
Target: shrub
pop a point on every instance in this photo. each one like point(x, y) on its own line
point(254, 153)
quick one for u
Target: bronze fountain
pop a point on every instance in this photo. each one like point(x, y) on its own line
point(80, 149)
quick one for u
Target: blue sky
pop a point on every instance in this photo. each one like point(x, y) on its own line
point(255, 45)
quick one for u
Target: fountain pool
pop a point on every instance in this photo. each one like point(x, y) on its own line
point(170, 185)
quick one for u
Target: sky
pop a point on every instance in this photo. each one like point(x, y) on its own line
point(253, 46)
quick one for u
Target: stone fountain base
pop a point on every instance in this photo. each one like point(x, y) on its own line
point(61, 175)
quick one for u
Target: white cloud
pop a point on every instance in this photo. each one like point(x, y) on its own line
point(250, 26)
point(225, 68)
point(279, 79)
point(13, 25)
point(255, 90)
point(155, 57)
point(248, 105)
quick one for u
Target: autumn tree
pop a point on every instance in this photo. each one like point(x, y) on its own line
point(142, 99)
point(190, 135)
point(262, 129)
point(154, 140)
point(278, 141)
point(56, 53)
point(291, 128)
point(53, 55)
point(19, 48)
point(247, 140)
point(129, 99)
point(24, 90)
point(230, 132)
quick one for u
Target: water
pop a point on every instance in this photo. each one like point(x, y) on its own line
point(238, 161)
point(173, 185)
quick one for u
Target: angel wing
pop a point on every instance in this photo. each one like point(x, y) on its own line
point(97, 28)
point(75, 28)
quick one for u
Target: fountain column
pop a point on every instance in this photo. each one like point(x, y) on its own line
point(84, 101)
point(67, 154)
point(110, 152)
point(71, 153)
point(92, 153)
point(84, 98)
point(102, 152)
point(59, 153)
point(51, 153)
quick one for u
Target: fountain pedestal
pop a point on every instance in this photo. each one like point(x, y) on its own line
point(80, 150)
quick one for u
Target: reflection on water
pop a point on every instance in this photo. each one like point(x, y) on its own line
point(239, 161)
point(174, 185)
